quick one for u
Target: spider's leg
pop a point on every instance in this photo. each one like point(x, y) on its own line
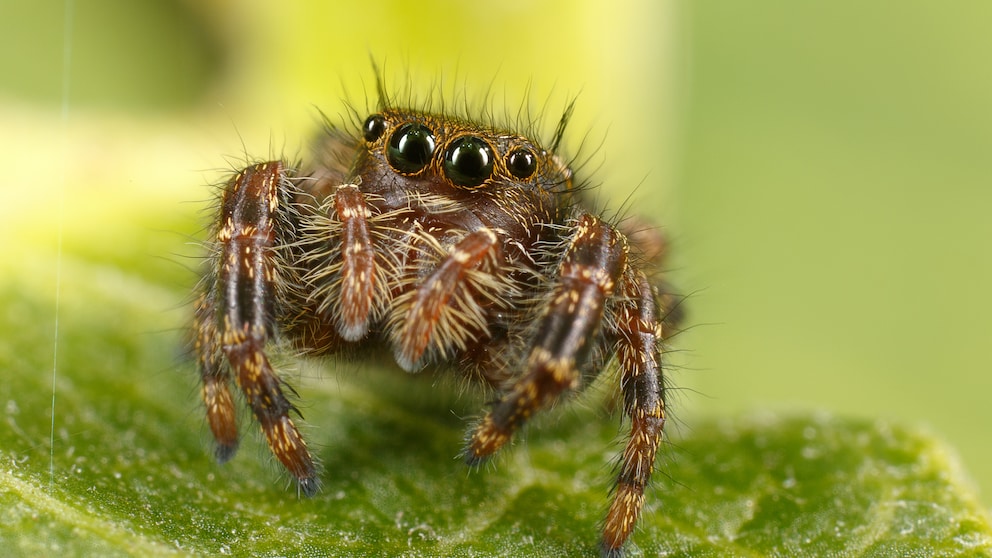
point(443, 309)
point(244, 295)
point(215, 377)
point(640, 329)
point(593, 262)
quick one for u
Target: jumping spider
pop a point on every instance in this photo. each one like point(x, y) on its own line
point(444, 241)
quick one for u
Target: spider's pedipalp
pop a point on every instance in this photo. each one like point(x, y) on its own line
point(442, 309)
point(358, 267)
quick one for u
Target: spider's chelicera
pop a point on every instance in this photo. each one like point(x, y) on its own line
point(447, 243)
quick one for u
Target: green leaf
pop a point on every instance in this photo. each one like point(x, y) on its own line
point(129, 470)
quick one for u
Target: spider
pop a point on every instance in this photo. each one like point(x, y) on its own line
point(447, 242)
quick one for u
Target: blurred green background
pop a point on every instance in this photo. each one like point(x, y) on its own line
point(822, 168)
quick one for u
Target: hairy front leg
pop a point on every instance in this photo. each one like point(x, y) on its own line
point(565, 335)
point(236, 318)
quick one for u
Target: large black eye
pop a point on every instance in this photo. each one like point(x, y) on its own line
point(410, 147)
point(374, 127)
point(469, 161)
point(521, 163)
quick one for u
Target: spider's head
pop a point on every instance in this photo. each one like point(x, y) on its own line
point(453, 154)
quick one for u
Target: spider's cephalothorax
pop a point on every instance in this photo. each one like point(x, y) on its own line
point(446, 242)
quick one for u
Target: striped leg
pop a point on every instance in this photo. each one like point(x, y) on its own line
point(236, 316)
point(216, 379)
point(594, 260)
point(640, 331)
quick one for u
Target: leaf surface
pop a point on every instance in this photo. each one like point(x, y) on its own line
point(129, 469)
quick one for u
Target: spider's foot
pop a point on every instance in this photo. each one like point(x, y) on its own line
point(309, 487)
point(605, 551)
point(473, 460)
point(224, 452)
point(291, 450)
point(486, 439)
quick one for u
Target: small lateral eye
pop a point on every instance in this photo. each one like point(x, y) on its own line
point(374, 127)
point(410, 147)
point(521, 163)
point(468, 161)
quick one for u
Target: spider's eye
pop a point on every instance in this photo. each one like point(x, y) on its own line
point(468, 162)
point(521, 163)
point(374, 127)
point(410, 147)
